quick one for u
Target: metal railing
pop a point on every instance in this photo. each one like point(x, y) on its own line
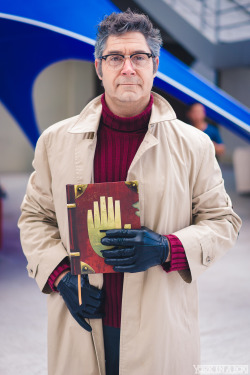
point(218, 20)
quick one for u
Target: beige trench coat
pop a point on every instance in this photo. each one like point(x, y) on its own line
point(181, 192)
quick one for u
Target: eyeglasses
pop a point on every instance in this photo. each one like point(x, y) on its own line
point(138, 60)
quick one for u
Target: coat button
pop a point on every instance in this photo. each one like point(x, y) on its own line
point(208, 259)
point(31, 271)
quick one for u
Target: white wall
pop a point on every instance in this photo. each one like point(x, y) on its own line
point(60, 91)
point(16, 151)
point(236, 82)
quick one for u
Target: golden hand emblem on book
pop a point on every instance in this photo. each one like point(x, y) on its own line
point(110, 219)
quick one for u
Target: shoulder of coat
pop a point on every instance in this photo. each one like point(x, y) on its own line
point(180, 135)
point(57, 133)
point(161, 110)
point(60, 132)
point(65, 125)
point(187, 131)
point(62, 125)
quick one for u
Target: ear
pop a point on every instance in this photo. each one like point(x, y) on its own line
point(97, 68)
point(157, 64)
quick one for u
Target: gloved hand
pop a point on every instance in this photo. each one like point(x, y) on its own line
point(138, 249)
point(92, 299)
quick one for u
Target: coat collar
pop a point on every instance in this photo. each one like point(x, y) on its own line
point(89, 118)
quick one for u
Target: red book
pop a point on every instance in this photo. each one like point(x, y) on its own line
point(95, 207)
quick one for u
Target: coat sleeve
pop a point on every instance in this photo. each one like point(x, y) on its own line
point(215, 226)
point(40, 237)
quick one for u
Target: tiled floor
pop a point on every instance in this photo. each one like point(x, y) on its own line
point(224, 296)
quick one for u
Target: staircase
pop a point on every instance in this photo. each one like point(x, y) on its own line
point(218, 20)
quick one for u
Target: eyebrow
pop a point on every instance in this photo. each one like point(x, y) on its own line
point(122, 53)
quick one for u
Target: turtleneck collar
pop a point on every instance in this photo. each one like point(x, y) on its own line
point(138, 123)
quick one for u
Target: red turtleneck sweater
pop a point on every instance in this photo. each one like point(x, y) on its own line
point(118, 140)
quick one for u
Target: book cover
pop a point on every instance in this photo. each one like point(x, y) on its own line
point(94, 207)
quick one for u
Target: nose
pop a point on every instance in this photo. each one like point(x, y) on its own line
point(128, 68)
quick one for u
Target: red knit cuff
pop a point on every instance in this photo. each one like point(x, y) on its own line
point(63, 266)
point(178, 260)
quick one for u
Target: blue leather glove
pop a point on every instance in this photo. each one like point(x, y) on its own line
point(138, 249)
point(92, 299)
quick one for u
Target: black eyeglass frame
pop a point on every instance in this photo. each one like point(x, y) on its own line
point(123, 56)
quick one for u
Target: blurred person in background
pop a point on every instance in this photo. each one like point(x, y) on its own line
point(197, 116)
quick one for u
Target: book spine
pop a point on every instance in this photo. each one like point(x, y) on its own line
point(74, 249)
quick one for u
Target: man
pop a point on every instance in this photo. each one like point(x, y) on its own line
point(197, 115)
point(149, 309)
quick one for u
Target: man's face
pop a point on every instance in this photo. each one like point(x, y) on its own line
point(127, 84)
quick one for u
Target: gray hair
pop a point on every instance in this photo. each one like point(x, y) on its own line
point(121, 23)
